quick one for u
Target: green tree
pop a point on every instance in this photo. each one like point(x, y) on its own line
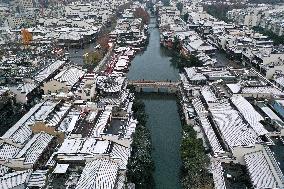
point(194, 161)
point(91, 59)
point(181, 61)
point(179, 6)
point(140, 165)
point(166, 2)
point(277, 40)
point(185, 17)
point(176, 44)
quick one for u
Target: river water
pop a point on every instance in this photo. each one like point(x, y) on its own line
point(153, 63)
point(164, 121)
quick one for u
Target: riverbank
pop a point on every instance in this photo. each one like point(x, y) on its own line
point(140, 165)
point(195, 160)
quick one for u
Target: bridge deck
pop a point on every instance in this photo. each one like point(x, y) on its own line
point(150, 83)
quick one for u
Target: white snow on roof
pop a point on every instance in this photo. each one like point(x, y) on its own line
point(61, 168)
point(206, 126)
point(264, 90)
point(19, 132)
point(70, 75)
point(280, 81)
point(84, 146)
point(38, 178)
point(102, 122)
point(234, 130)
point(94, 146)
point(15, 179)
point(121, 152)
point(208, 94)
point(3, 170)
point(235, 87)
point(209, 132)
point(269, 112)
point(130, 128)
point(110, 84)
point(249, 113)
point(73, 123)
point(100, 173)
point(34, 148)
point(218, 174)
point(26, 87)
point(47, 71)
point(8, 151)
point(260, 171)
point(71, 146)
point(193, 75)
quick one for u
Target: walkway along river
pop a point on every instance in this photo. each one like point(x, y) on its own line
point(164, 121)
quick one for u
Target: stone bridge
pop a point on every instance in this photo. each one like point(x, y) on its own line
point(170, 86)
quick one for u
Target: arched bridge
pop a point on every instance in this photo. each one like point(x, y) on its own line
point(170, 86)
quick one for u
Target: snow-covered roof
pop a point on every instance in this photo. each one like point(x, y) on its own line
point(110, 84)
point(102, 122)
point(3, 170)
point(130, 128)
point(208, 94)
point(60, 168)
point(206, 126)
point(210, 134)
point(70, 75)
point(21, 131)
point(38, 178)
point(26, 87)
point(234, 130)
point(193, 75)
point(83, 146)
point(262, 90)
point(48, 70)
point(8, 151)
point(259, 170)
point(100, 173)
point(218, 174)
point(234, 87)
point(270, 113)
point(249, 113)
point(280, 81)
point(122, 153)
point(15, 179)
point(34, 148)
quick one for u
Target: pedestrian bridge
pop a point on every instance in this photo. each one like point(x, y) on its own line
point(158, 86)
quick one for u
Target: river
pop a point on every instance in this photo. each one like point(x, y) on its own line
point(164, 121)
point(153, 63)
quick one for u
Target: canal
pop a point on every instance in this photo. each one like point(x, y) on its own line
point(153, 63)
point(164, 121)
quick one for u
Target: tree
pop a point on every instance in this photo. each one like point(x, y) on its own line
point(181, 61)
point(91, 59)
point(26, 36)
point(180, 6)
point(141, 13)
point(220, 10)
point(140, 165)
point(194, 161)
point(166, 2)
point(277, 40)
point(103, 42)
point(176, 44)
point(185, 17)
